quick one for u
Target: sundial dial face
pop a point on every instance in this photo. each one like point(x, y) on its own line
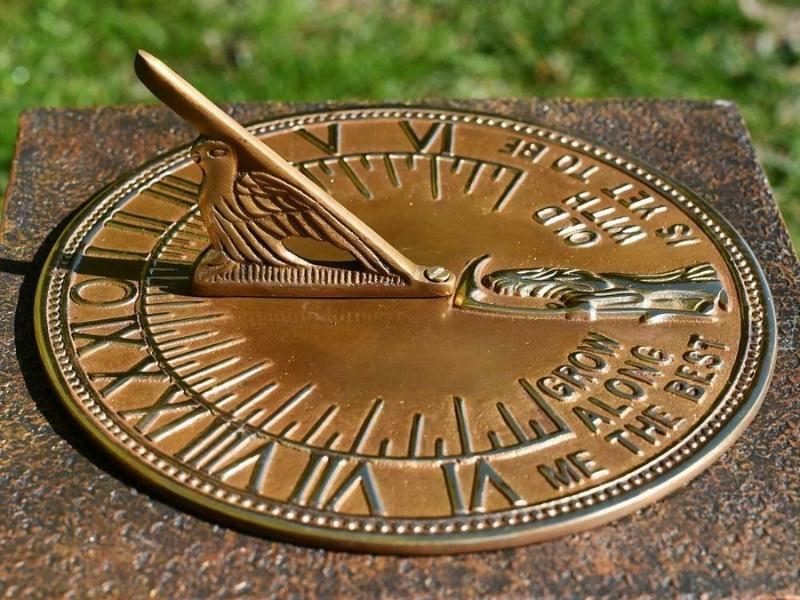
point(608, 335)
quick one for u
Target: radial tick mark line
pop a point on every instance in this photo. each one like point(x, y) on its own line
point(391, 171)
point(415, 438)
point(510, 189)
point(366, 426)
point(181, 353)
point(321, 423)
point(235, 379)
point(181, 341)
point(288, 405)
point(512, 423)
point(203, 372)
point(463, 425)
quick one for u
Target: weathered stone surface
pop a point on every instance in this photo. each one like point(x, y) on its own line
point(73, 524)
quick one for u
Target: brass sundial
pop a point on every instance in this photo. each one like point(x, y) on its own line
point(403, 329)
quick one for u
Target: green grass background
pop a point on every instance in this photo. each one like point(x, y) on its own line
point(79, 53)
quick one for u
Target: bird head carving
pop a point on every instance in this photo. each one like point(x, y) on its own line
point(216, 159)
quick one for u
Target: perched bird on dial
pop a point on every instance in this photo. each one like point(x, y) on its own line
point(251, 200)
point(249, 214)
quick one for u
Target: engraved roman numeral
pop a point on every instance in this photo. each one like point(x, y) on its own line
point(147, 369)
point(325, 470)
point(484, 476)
point(321, 468)
point(172, 400)
point(261, 459)
point(454, 489)
point(111, 331)
point(436, 132)
point(360, 477)
point(331, 145)
point(216, 451)
point(169, 402)
point(224, 447)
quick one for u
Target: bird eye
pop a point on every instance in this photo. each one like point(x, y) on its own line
point(218, 152)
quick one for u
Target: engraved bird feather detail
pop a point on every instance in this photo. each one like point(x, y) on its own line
point(249, 214)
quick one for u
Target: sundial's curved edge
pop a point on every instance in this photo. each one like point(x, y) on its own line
point(424, 544)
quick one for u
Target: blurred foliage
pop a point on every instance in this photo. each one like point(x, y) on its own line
point(79, 53)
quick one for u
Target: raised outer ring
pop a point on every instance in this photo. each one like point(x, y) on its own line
point(519, 534)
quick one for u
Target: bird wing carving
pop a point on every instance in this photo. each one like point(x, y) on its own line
point(263, 210)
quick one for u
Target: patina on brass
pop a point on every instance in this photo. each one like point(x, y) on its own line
point(609, 336)
point(252, 200)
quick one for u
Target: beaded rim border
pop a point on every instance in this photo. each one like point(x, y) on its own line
point(753, 358)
